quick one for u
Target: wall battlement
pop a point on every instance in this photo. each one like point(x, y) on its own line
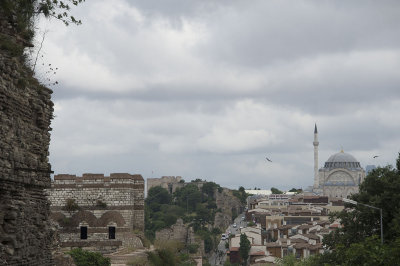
point(102, 202)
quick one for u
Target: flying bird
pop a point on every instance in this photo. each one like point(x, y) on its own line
point(375, 156)
point(269, 160)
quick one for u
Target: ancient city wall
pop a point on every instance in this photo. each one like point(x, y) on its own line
point(25, 113)
point(170, 183)
point(101, 202)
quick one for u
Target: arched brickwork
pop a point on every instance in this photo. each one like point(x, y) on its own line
point(111, 216)
point(86, 216)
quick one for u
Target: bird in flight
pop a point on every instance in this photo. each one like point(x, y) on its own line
point(269, 160)
point(375, 156)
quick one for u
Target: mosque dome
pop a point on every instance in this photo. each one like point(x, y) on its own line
point(342, 160)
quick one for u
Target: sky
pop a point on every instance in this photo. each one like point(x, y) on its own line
point(208, 89)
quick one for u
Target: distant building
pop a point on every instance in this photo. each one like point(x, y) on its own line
point(340, 176)
point(264, 192)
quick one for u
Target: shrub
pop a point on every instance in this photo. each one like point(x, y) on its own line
point(101, 204)
point(71, 206)
point(192, 248)
point(87, 258)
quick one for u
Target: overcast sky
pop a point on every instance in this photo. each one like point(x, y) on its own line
point(208, 89)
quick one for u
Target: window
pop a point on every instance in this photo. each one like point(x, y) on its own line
point(111, 232)
point(83, 232)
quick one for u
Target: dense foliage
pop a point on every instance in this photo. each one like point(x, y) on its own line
point(87, 258)
point(296, 190)
point(240, 194)
point(193, 205)
point(24, 13)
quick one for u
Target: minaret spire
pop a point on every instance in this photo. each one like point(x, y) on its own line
point(316, 143)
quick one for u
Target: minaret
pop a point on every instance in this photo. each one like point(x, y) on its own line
point(316, 143)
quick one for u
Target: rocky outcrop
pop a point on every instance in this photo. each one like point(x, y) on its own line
point(25, 113)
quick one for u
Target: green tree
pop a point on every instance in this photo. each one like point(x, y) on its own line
point(188, 197)
point(209, 188)
point(276, 191)
point(87, 258)
point(240, 194)
point(244, 248)
point(23, 14)
point(158, 195)
point(299, 190)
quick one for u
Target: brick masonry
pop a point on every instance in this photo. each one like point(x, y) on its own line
point(104, 201)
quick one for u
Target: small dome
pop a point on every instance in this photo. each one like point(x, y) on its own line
point(342, 160)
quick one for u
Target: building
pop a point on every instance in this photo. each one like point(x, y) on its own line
point(340, 176)
point(101, 213)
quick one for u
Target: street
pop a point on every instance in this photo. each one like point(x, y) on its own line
point(218, 257)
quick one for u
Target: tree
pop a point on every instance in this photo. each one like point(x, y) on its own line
point(158, 195)
point(208, 188)
point(188, 196)
point(244, 248)
point(240, 194)
point(276, 191)
point(23, 14)
point(296, 190)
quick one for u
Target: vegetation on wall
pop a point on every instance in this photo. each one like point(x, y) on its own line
point(23, 13)
point(71, 206)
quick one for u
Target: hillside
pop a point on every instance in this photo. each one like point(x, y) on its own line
point(205, 208)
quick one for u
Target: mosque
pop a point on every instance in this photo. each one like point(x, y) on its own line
point(340, 176)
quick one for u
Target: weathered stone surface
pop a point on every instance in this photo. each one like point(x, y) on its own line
point(226, 202)
point(25, 113)
point(181, 233)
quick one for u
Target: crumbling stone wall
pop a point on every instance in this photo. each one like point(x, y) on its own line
point(170, 183)
point(102, 202)
point(181, 233)
point(226, 202)
point(25, 113)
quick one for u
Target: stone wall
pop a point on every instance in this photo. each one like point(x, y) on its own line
point(226, 202)
point(25, 113)
point(170, 183)
point(181, 233)
point(102, 202)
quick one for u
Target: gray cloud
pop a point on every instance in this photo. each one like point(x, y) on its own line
point(207, 89)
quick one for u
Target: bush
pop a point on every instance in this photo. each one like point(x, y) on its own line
point(71, 206)
point(87, 258)
point(192, 248)
point(251, 223)
point(101, 204)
